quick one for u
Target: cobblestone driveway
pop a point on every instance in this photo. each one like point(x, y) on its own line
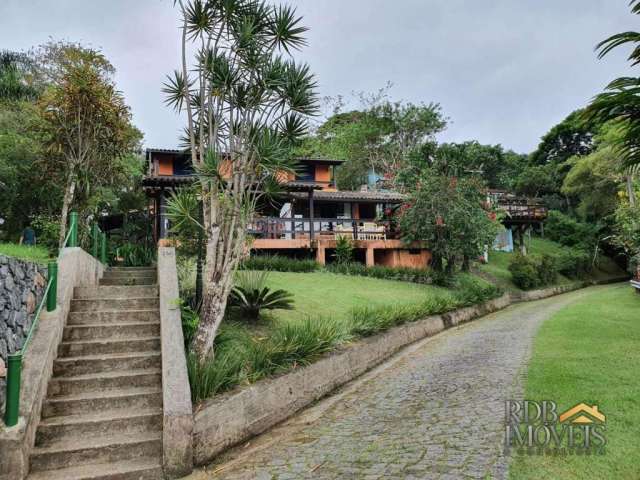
point(434, 411)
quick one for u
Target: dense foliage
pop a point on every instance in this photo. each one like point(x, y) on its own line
point(533, 271)
point(451, 216)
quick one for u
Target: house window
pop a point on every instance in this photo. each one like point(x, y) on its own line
point(306, 173)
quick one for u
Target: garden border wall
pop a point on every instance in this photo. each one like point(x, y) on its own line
point(236, 416)
point(75, 267)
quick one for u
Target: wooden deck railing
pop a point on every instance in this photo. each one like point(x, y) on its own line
point(292, 228)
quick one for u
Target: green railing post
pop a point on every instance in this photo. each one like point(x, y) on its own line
point(103, 248)
point(52, 294)
point(12, 408)
point(94, 237)
point(73, 226)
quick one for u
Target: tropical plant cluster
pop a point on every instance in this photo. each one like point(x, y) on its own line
point(245, 356)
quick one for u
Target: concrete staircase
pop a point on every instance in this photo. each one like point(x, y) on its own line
point(102, 418)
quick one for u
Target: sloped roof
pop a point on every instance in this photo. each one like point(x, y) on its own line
point(355, 196)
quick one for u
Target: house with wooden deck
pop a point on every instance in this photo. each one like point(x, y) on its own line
point(310, 215)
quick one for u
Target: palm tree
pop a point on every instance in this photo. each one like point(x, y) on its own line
point(620, 102)
point(245, 101)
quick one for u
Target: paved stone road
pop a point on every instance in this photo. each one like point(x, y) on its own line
point(434, 411)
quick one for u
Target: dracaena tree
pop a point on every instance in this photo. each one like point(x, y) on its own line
point(246, 101)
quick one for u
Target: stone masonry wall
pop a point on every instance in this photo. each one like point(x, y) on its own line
point(22, 286)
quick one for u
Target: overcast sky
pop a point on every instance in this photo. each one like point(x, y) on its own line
point(504, 71)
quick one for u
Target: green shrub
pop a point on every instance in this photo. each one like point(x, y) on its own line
point(214, 376)
point(574, 263)
point(278, 263)
point(186, 266)
point(533, 271)
point(568, 231)
point(344, 250)
point(47, 228)
point(190, 322)
point(250, 295)
point(524, 272)
point(294, 343)
point(135, 255)
point(228, 366)
point(404, 274)
point(547, 270)
point(471, 290)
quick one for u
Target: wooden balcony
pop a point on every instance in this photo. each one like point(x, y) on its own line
point(522, 211)
point(276, 228)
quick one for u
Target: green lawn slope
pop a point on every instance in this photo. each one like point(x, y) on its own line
point(498, 267)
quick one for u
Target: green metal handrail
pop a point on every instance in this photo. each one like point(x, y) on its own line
point(14, 361)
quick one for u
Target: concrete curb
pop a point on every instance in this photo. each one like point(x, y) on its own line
point(236, 416)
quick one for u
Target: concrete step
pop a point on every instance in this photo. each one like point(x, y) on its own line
point(108, 362)
point(59, 429)
point(145, 468)
point(143, 274)
point(111, 331)
point(99, 304)
point(132, 269)
point(95, 382)
point(116, 291)
point(128, 281)
point(88, 449)
point(114, 399)
point(114, 316)
point(97, 347)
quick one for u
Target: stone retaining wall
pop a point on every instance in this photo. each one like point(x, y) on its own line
point(22, 285)
point(234, 417)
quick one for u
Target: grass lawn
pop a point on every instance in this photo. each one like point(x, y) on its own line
point(588, 352)
point(33, 254)
point(333, 295)
point(329, 310)
point(498, 266)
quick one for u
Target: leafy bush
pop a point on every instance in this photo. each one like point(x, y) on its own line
point(190, 321)
point(344, 250)
point(239, 357)
point(135, 255)
point(47, 228)
point(294, 343)
point(567, 231)
point(472, 290)
point(278, 263)
point(251, 295)
point(186, 266)
point(533, 271)
point(574, 263)
point(404, 274)
point(548, 270)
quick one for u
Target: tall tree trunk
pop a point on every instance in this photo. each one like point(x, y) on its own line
point(466, 263)
point(211, 316)
point(69, 192)
point(630, 191)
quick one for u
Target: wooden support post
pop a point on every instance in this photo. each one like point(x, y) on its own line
point(311, 214)
point(371, 258)
point(321, 255)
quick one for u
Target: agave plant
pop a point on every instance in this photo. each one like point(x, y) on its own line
point(251, 295)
